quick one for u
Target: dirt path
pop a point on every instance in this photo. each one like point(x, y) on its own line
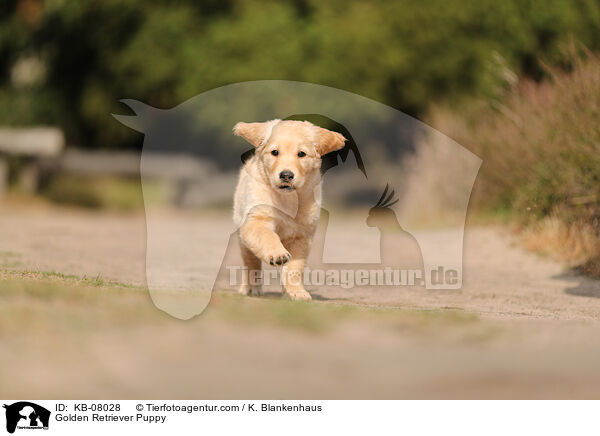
point(500, 279)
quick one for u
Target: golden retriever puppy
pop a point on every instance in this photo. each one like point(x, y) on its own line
point(278, 199)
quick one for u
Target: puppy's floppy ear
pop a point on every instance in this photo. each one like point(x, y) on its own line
point(255, 133)
point(328, 141)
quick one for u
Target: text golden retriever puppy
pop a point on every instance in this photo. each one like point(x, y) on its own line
point(278, 199)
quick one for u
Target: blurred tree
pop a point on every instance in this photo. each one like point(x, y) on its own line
point(68, 63)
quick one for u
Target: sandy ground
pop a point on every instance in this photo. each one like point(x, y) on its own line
point(536, 337)
point(500, 279)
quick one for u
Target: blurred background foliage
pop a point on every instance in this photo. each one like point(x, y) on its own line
point(68, 63)
point(516, 82)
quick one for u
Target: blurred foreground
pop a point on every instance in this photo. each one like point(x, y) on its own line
point(521, 327)
point(68, 338)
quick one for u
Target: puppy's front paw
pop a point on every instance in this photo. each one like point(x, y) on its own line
point(279, 258)
point(297, 295)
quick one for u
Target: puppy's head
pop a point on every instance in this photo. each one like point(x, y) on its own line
point(290, 151)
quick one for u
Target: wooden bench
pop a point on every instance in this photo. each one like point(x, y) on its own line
point(190, 180)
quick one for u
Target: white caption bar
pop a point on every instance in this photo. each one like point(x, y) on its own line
point(295, 417)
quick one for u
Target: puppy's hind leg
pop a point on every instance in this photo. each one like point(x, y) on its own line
point(251, 275)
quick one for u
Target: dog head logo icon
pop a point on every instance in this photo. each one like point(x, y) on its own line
point(26, 415)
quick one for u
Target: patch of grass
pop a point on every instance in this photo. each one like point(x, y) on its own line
point(319, 317)
point(65, 278)
point(56, 302)
point(101, 192)
point(10, 259)
point(45, 304)
point(299, 315)
point(9, 254)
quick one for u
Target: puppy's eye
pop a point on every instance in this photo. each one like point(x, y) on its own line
point(301, 154)
point(275, 152)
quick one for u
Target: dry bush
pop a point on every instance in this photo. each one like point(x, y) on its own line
point(572, 243)
point(541, 158)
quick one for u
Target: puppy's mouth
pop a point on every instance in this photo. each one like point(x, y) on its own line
point(285, 187)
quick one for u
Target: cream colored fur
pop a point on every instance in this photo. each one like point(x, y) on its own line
point(277, 218)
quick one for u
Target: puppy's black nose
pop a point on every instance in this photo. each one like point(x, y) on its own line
point(286, 175)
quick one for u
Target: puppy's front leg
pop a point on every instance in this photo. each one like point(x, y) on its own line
point(291, 274)
point(251, 279)
point(258, 234)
